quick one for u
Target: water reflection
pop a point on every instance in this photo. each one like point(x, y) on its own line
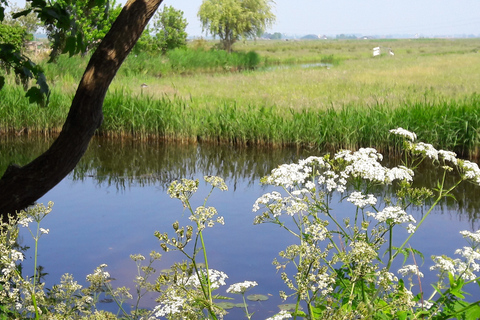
point(115, 199)
point(127, 163)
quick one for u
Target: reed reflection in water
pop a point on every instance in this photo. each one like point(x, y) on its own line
point(112, 203)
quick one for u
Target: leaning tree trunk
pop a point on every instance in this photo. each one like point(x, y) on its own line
point(22, 186)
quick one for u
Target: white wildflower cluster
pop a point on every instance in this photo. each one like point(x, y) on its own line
point(398, 173)
point(444, 264)
point(360, 200)
point(464, 268)
point(217, 279)
point(365, 164)
point(216, 182)
point(24, 222)
point(321, 283)
point(317, 232)
point(183, 189)
point(411, 228)
point(269, 199)
point(281, 316)
point(426, 304)
point(98, 278)
point(469, 170)
point(68, 297)
point(392, 215)
point(295, 175)
point(9, 261)
point(385, 279)
point(425, 149)
point(171, 304)
point(473, 237)
point(333, 181)
point(204, 217)
point(409, 270)
point(362, 253)
point(241, 287)
point(404, 133)
point(288, 175)
point(448, 156)
point(278, 205)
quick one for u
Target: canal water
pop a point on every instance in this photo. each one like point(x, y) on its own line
point(110, 206)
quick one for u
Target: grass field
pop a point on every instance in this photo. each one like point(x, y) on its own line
point(429, 86)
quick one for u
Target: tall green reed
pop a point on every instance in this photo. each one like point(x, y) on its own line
point(450, 124)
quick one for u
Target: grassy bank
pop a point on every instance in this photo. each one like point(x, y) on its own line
point(429, 86)
point(448, 124)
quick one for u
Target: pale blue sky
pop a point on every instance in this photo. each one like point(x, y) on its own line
point(366, 17)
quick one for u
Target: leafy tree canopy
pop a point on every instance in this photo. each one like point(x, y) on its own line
point(20, 186)
point(92, 20)
point(231, 20)
point(12, 35)
point(72, 26)
point(169, 26)
point(30, 22)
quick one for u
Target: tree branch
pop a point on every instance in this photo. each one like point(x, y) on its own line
point(21, 186)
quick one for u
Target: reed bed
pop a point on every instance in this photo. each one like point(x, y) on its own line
point(349, 105)
point(453, 124)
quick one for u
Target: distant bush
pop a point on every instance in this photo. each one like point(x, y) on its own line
point(13, 35)
point(182, 60)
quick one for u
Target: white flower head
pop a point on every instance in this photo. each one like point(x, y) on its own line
point(392, 214)
point(409, 270)
point(281, 316)
point(25, 221)
point(448, 156)
point(398, 173)
point(470, 170)
point(404, 133)
point(172, 305)
point(217, 279)
point(241, 287)
point(411, 228)
point(426, 149)
point(472, 236)
point(360, 200)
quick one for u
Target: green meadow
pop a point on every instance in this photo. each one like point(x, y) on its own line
point(316, 93)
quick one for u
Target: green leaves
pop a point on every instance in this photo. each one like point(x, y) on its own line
point(170, 27)
point(232, 19)
point(25, 70)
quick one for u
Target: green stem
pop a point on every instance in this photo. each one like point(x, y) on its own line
point(390, 256)
point(209, 285)
point(34, 300)
point(245, 305)
point(296, 307)
point(441, 194)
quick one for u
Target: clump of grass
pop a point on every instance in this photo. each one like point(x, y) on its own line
point(449, 124)
point(456, 123)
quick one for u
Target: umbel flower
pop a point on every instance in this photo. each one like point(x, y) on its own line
point(241, 287)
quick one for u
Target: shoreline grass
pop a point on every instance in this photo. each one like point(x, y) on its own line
point(448, 124)
point(429, 86)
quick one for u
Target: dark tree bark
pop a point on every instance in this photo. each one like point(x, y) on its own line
point(22, 186)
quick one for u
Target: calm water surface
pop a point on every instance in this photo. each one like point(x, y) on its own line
point(112, 203)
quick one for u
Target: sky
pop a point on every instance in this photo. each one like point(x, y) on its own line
point(362, 17)
point(365, 17)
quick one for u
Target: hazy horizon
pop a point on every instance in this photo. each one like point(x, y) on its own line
point(368, 17)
